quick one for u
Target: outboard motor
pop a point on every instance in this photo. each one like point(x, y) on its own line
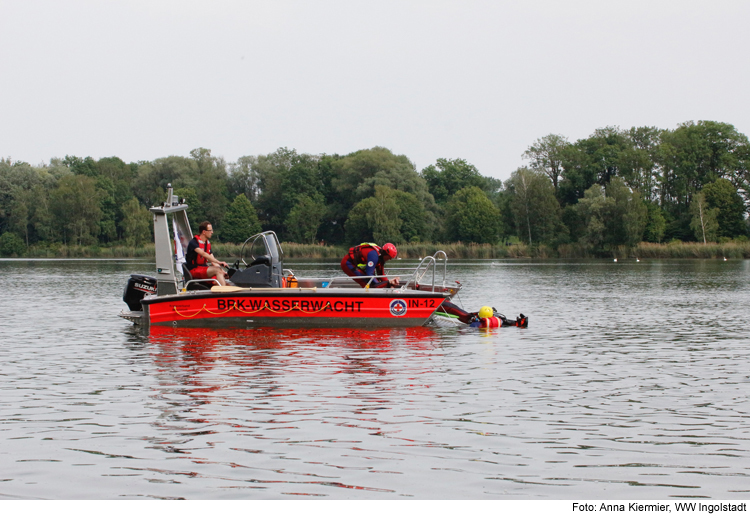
point(137, 288)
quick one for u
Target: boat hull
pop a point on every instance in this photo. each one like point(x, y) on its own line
point(293, 308)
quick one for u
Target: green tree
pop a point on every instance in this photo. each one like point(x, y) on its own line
point(375, 218)
point(591, 209)
point(244, 178)
point(283, 176)
point(472, 217)
point(535, 210)
point(614, 215)
point(20, 214)
point(153, 176)
point(353, 170)
point(122, 177)
point(76, 207)
point(356, 176)
point(446, 177)
point(358, 225)
point(24, 192)
point(386, 217)
point(86, 166)
point(210, 177)
point(241, 221)
point(546, 155)
point(39, 227)
point(595, 159)
point(107, 230)
point(11, 245)
point(6, 192)
point(656, 224)
point(108, 206)
point(332, 228)
point(305, 218)
point(574, 222)
point(704, 223)
point(626, 214)
point(135, 223)
point(638, 162)
point(693, 156)
point(730, 209)
point(414, 218)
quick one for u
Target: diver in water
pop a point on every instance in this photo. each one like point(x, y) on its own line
point(486, 317)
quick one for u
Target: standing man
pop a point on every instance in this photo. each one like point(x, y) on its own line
point(368, 260)
point(199, 256)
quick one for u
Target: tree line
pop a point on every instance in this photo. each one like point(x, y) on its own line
point(615, 188)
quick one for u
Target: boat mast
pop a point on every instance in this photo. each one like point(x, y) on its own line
point(166, 279)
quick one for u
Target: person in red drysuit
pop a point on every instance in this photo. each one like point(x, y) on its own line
point(368, 260)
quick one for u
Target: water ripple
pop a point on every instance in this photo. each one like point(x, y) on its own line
point(631, 382)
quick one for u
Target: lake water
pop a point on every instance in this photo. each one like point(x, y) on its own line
point(631, 382)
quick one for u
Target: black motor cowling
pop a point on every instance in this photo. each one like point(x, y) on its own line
point(138, 287)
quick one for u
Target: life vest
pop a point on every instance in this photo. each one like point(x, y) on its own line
point(289, 282)
point(200, 260)
point(490, 322)
point(357, 256)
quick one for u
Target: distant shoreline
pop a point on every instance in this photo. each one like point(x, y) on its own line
point(454, 251)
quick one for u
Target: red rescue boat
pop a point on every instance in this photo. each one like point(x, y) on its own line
point(263, 293)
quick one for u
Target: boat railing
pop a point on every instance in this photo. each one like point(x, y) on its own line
point(416, 275)
point(427, 263)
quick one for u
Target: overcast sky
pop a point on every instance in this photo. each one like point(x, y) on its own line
point(429, 79)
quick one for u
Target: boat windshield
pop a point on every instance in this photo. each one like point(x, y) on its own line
point(265, 244)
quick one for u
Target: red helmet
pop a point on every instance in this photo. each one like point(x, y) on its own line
point(390, 250)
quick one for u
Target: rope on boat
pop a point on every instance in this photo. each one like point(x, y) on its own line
point(174, 308)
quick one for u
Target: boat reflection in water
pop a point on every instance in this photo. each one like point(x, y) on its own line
point(268, 357)
point(280, 380)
